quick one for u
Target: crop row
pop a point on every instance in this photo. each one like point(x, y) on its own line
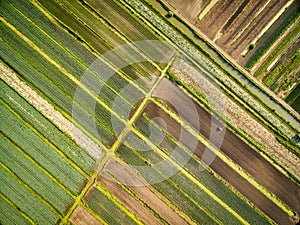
point(278, 51)
point(97, 35)
point(54, 80)
point(123, 21)
point(58, 54)
point(210, 70)
point(40, 151)
point(33, 176)
point(9, 215)
point(294, 98)
point(25, 200)
point(102, 205)
point(272, 39)
point(169, 143)
point(45, 127)
point(286, 74)
point(46, 88)
point(33, 14)
point(179, 180)
point(167, 187)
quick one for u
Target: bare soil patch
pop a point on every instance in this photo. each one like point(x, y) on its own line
point(145, 193)
point(129, 202)
point(189, 9)
point(82, 217)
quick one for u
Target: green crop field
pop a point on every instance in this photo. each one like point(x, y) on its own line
point(81, 112)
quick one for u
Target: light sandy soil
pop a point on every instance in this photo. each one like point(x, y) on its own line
point(190, 9)
point(50, 112)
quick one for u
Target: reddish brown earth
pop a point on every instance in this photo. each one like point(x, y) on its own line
point(82, 217)
point(242, 154)
point(145, 193)
point(129, 202)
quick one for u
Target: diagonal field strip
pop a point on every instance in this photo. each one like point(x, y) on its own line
point(226, 159)
point(49, 112)
point(189, 176)
point(111, 152)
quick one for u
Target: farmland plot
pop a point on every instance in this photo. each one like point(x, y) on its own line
point(25, 200)
point(217, 165)
point(42, 125)
point(237, 150)
point(50, 46)
point(10, 215)
point(103, 206)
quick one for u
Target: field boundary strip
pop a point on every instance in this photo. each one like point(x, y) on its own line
point(136, 197)
point(49, 143)
point(118, 204)
point(85, 44)
point(269, 51)
point(79, 60)
point(63, 70)
point(159, 195)
point(28, 157)
point(217, 176)
point(121, 35)
point(51, 114)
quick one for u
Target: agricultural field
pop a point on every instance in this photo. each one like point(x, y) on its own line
point(98, 127)
point(261, 36)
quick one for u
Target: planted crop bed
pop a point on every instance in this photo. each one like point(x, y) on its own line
point(88, 136)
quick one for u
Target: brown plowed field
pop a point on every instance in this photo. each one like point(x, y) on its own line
point(82, 217)
point(131, 203)
point(216, 18)
point(251, 161)
point(227, 20)
point(147, 194)
point(189, 9)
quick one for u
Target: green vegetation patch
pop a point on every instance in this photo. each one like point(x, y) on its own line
point(293, 99)
point(271, 40)
point(10, 215)
point(106, 209)
point(25, 200)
